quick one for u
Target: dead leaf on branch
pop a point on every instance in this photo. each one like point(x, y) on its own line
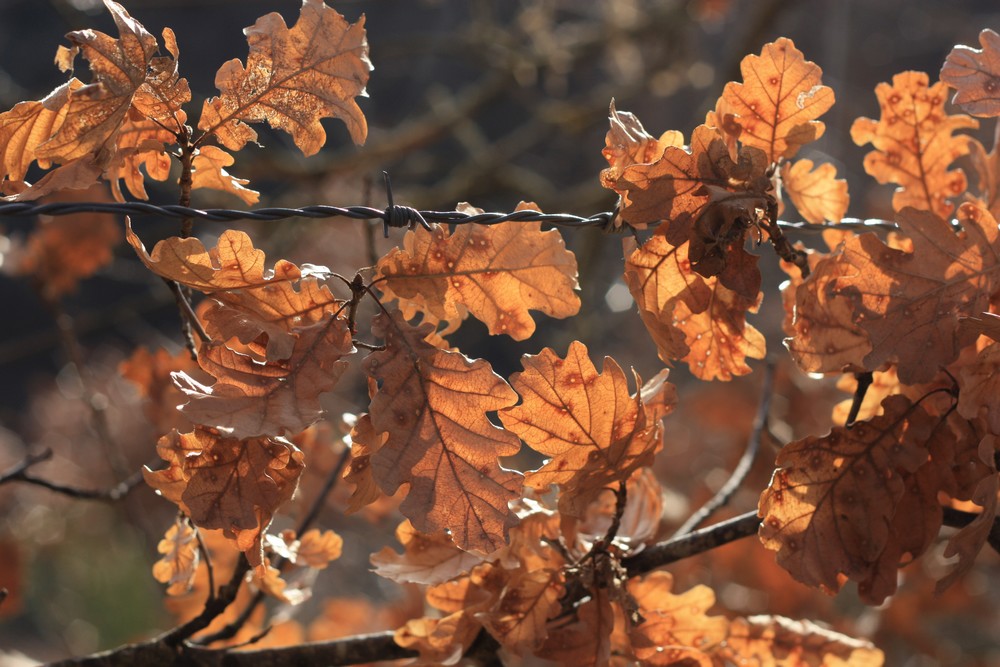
point(28, 125)
point(908, 304)
point(915, 143)
point(433, 405)
point(292, 79)
point(96, 111)
point(595, 431)
point(979, 386)
point(774, 641)
point(779, 101)
point(141, 142)
point(179, 564)
point(233, 264)
point(364, 442)
point(496, 272)
point(818, 195)
point(226, 483)
point(519, 617)
point(691, 318)
point(428, 559)
point(832, 500)
point(975, 76)
point(210, 164)
point(250, 398)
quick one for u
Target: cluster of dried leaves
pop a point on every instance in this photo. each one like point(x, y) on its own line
point(534, 558)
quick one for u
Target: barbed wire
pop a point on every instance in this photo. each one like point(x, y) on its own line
point(392, 216)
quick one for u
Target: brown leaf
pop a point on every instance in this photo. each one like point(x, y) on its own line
point(979, 385)
point(141, 142)
point(234, 485)
point(831, 501)
point(774, 641)
point(706, 198)
point(586, 642)
point(677, 629)
point(986, 324)
point(318, 548)
point(914, 143)
point(518, 619)
point(433, 405)
point(232, 264)
point(427, 558)
point(595, 432)
point(210, 172)
point(251, 398)
point(364, 442)
point(975, 76)
point(28, 125)
point(691, 318)
point(292, 79)
point(95, 112)
point(779, 101)
point(79, 174)
point(969, 541)
point(274, 311)
point(179, 563)
point(628, 143)
point(164, 92)
point(818, 195)
point(907, 303)
point(497, 272)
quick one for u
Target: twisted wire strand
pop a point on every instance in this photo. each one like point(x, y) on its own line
point(391, 216)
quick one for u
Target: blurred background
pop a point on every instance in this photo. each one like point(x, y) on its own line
point(470, 100)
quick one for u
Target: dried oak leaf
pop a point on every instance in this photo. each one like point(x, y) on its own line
point(969, 541)
point(774, 641)
point(628, 143)
point(226, 483)
point(518, 618)
point(28, 125)
point(274, 311)
point(594, 431)
point(986, 324)
point(315, 548)
point(975, 76)
point(364, 442)
point(986, 166)
point(779, 101)
point(292, 79)
point(705, 197)
point(433, 405)
point(830, 505)
point(210, 172)
point(141, 142)
point(979, 385)
point(818, 195)
point(908, 304)
point(588, 641)
point(677, 629)
point(497, 272)
point(96, 111)
point(428, 559)
point(164, 92)
point(179, 564)
point(233, 264)
point(250, 398)
point(915, 143)
point(691, 318)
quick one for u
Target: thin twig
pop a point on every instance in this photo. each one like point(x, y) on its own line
point(19, 473)
point(864, 381)
point(742, 469)
point(203, 550)
point(214, 606)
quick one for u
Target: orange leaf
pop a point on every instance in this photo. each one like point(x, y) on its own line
point(162, 94)
point(364, 442)
point(831, 501)
point(691, 318)
point(140, 142)
point(774, 641)
point(433, 405)
point(975, 76)
point(628, 143)
point(908, 303)
point(779, 101)
point(95, 112)
point(210, 172)
point(818, 194)
point(28, 125)
point(706, 198)
point(914, 143)
point(595, 432)
point(318, 548)
point(677, 629)
point(427, 558)
point(497, 272)
point(250, 398)
point(518, 618)
point(235, 485)
point(588, 641)
point(179, 564)
point(232, 264)
point(292, 79)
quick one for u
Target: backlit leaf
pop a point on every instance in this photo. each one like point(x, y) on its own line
point(426, 559)
point(774, 641)
point(779, 101)
point(433, 405)
point(292, 79)
point(179, 563)
point(210, 172)
point(915, 144)
point(975, 76)
point(518, 618)
point(818, 195)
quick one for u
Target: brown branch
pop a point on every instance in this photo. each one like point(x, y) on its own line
point(694, 543)
point(742, 469)
point(20, 473)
